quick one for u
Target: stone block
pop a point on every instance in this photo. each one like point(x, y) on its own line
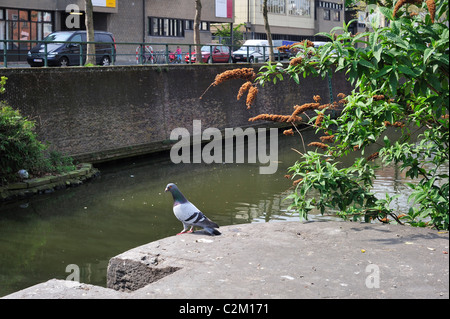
point(35, 182)
point(19, 185)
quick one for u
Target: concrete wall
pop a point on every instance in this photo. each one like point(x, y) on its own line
point(102, 113)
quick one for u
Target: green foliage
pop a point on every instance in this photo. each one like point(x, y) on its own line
point(224, 31)
point(2, 84)
point(400, 74)
point(20, 148)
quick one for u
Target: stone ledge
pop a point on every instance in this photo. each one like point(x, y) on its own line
point(284, 260)
point(48, 184)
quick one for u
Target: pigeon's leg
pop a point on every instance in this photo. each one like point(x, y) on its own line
point(184, 231)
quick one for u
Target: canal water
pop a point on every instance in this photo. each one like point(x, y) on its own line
point(43, 237)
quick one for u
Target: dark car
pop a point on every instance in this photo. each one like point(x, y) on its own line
point(65, 54)
point(220, 53)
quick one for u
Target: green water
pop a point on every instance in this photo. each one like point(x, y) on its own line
point(126, 207)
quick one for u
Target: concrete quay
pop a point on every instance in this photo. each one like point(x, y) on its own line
point(320, 259)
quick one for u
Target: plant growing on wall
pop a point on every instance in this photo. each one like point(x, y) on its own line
point(401, 79)
point(21, 149)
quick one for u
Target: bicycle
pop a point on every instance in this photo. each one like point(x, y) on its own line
point(144, 55)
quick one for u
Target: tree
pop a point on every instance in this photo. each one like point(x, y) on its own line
point(197, 21)
point(90, 37)
point(267, 28)
point(401, 80)
point(224, 31)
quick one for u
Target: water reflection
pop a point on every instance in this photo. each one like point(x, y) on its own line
point(126, 207)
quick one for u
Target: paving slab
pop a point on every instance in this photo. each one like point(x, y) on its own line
point(320, 259)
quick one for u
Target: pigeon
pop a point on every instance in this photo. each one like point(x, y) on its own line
point(188, 214)
point(23, 174)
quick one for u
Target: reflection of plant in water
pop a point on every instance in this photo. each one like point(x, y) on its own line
point(401, 76)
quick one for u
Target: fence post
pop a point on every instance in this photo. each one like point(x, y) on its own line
point(190, 54)
point(210, 55)
point(248, 53)
point(81, 54)
point(45, 54)
point(5, 59)
point(167, 54)
point(113, 54)
point(330, 87)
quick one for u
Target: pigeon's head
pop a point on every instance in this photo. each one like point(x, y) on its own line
point(171, 187)
point(177, 196)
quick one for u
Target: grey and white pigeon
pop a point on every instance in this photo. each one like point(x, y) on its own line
point(188, 214)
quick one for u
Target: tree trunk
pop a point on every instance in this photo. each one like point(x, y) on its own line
point(197, 21)
point(267, 27)
point(89, 21)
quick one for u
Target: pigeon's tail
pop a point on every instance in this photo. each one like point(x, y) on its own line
point(212, 231)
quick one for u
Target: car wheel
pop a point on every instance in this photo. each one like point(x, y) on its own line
point(105, 61)
point(251, 59)
point(230, 60)
point(64, 61)
point(209, 61)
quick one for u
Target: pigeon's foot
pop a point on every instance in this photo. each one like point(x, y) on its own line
point(186, 232)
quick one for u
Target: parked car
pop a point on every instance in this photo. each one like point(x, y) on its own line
point(255, 50)
point(220, 53)
point(65, 54)
point(283, 55)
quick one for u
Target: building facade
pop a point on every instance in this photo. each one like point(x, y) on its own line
point(293, 20)
point(163, 21)
point(154, 21)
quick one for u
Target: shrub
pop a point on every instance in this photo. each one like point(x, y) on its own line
point(20, 148)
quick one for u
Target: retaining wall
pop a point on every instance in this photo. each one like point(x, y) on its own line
point(100, 113)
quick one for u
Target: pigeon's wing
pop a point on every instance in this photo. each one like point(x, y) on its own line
point(188, 214)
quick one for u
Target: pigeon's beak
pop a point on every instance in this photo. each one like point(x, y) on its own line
point(167, 189)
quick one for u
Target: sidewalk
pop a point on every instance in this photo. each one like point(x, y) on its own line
point(276, 260)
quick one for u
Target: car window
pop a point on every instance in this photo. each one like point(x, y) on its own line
point(62, 36)
point(105, 38)
point(76, 38)
point(225, 49)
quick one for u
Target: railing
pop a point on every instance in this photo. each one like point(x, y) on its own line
point(118, 53)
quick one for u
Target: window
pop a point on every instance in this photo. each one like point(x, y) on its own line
point(165, 27)
point(299, 7)
point(331, 5)
point(326, 14)
point(337, 16)
point(275, 6)
point(24, 25)
point(189, 25)
point(204, 26)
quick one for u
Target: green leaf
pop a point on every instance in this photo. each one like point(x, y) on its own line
point(366, 64)
point(427, 54)
point(387, 12)
point(406, 70)
point(393, 82)
point(296, 78)
point(377, 50)
point(383, 71)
